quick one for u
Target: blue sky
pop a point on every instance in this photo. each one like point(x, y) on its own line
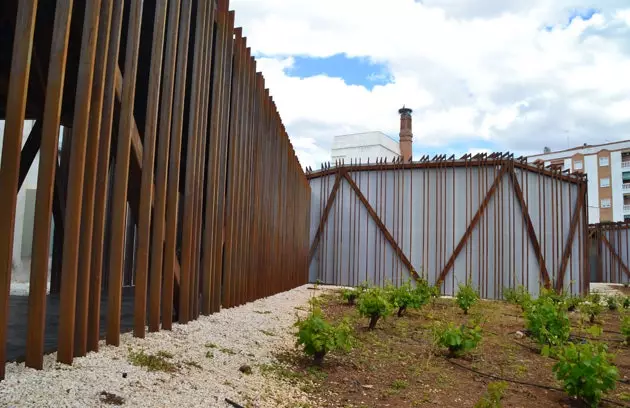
point(353, 70)
point(492, 75)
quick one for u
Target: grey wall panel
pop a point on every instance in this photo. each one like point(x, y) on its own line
point(610, 252)
point(427, 211)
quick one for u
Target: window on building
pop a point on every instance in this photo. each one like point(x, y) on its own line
point(577, 165)
point(603, 161)
point(626, 218)
point(605, 203)
point(604, 182)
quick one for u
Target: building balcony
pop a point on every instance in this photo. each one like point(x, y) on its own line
point(626, 208)
point(625, 164)
point(626, 188)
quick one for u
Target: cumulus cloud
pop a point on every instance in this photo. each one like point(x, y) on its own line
point(518, 75)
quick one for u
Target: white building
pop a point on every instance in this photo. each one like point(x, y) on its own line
point(364, 146)
point(608, 170)
point(24, 218)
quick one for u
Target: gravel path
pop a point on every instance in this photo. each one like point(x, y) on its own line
point(207, 353)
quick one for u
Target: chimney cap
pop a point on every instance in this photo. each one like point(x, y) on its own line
point(404, 111)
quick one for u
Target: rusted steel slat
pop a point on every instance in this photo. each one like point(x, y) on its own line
point(87, 208)
point(12, 144)
point(103, 179)
point(202, 181)
point(119, 201)
point(498, 161)
point(148, 158)
point(210, 217)
point(388, 236)
point(161, 176)
point(220, 225)
point(187, 263)
point(45, 186)
point(170, 256)
point(230, 204)
point(74, 198)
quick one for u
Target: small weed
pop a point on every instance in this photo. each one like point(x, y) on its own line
point(210, 345)
point(152, 362)
point(195, 364)
point(263, 312)
point(227, 351)
point(209, 354)
point(164, 354)
point(400, 384)
point(268, 333)
point(493, 396)
point(111, 399)
point(317, 373)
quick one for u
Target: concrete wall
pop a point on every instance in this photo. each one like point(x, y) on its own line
point(427, 212)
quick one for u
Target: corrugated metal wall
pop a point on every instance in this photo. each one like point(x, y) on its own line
point(494, 220)
point(610, 252)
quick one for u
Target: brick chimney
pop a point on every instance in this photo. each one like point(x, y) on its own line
point(406, 136)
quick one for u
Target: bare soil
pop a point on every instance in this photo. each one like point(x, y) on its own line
point(398, 364)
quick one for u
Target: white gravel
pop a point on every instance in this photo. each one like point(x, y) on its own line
point(244, 335)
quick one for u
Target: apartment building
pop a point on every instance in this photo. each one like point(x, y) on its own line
point(608, 169)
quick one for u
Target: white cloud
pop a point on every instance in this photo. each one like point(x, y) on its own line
point(470, 69)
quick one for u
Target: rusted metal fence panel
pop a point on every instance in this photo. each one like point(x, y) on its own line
point(491, 220)
point(610, 252)
point(179, 179)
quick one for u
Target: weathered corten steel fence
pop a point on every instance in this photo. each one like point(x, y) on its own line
point(175, 174)
point(491, 219)
point(610, 252)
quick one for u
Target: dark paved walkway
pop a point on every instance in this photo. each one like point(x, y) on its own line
point(18, 308)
